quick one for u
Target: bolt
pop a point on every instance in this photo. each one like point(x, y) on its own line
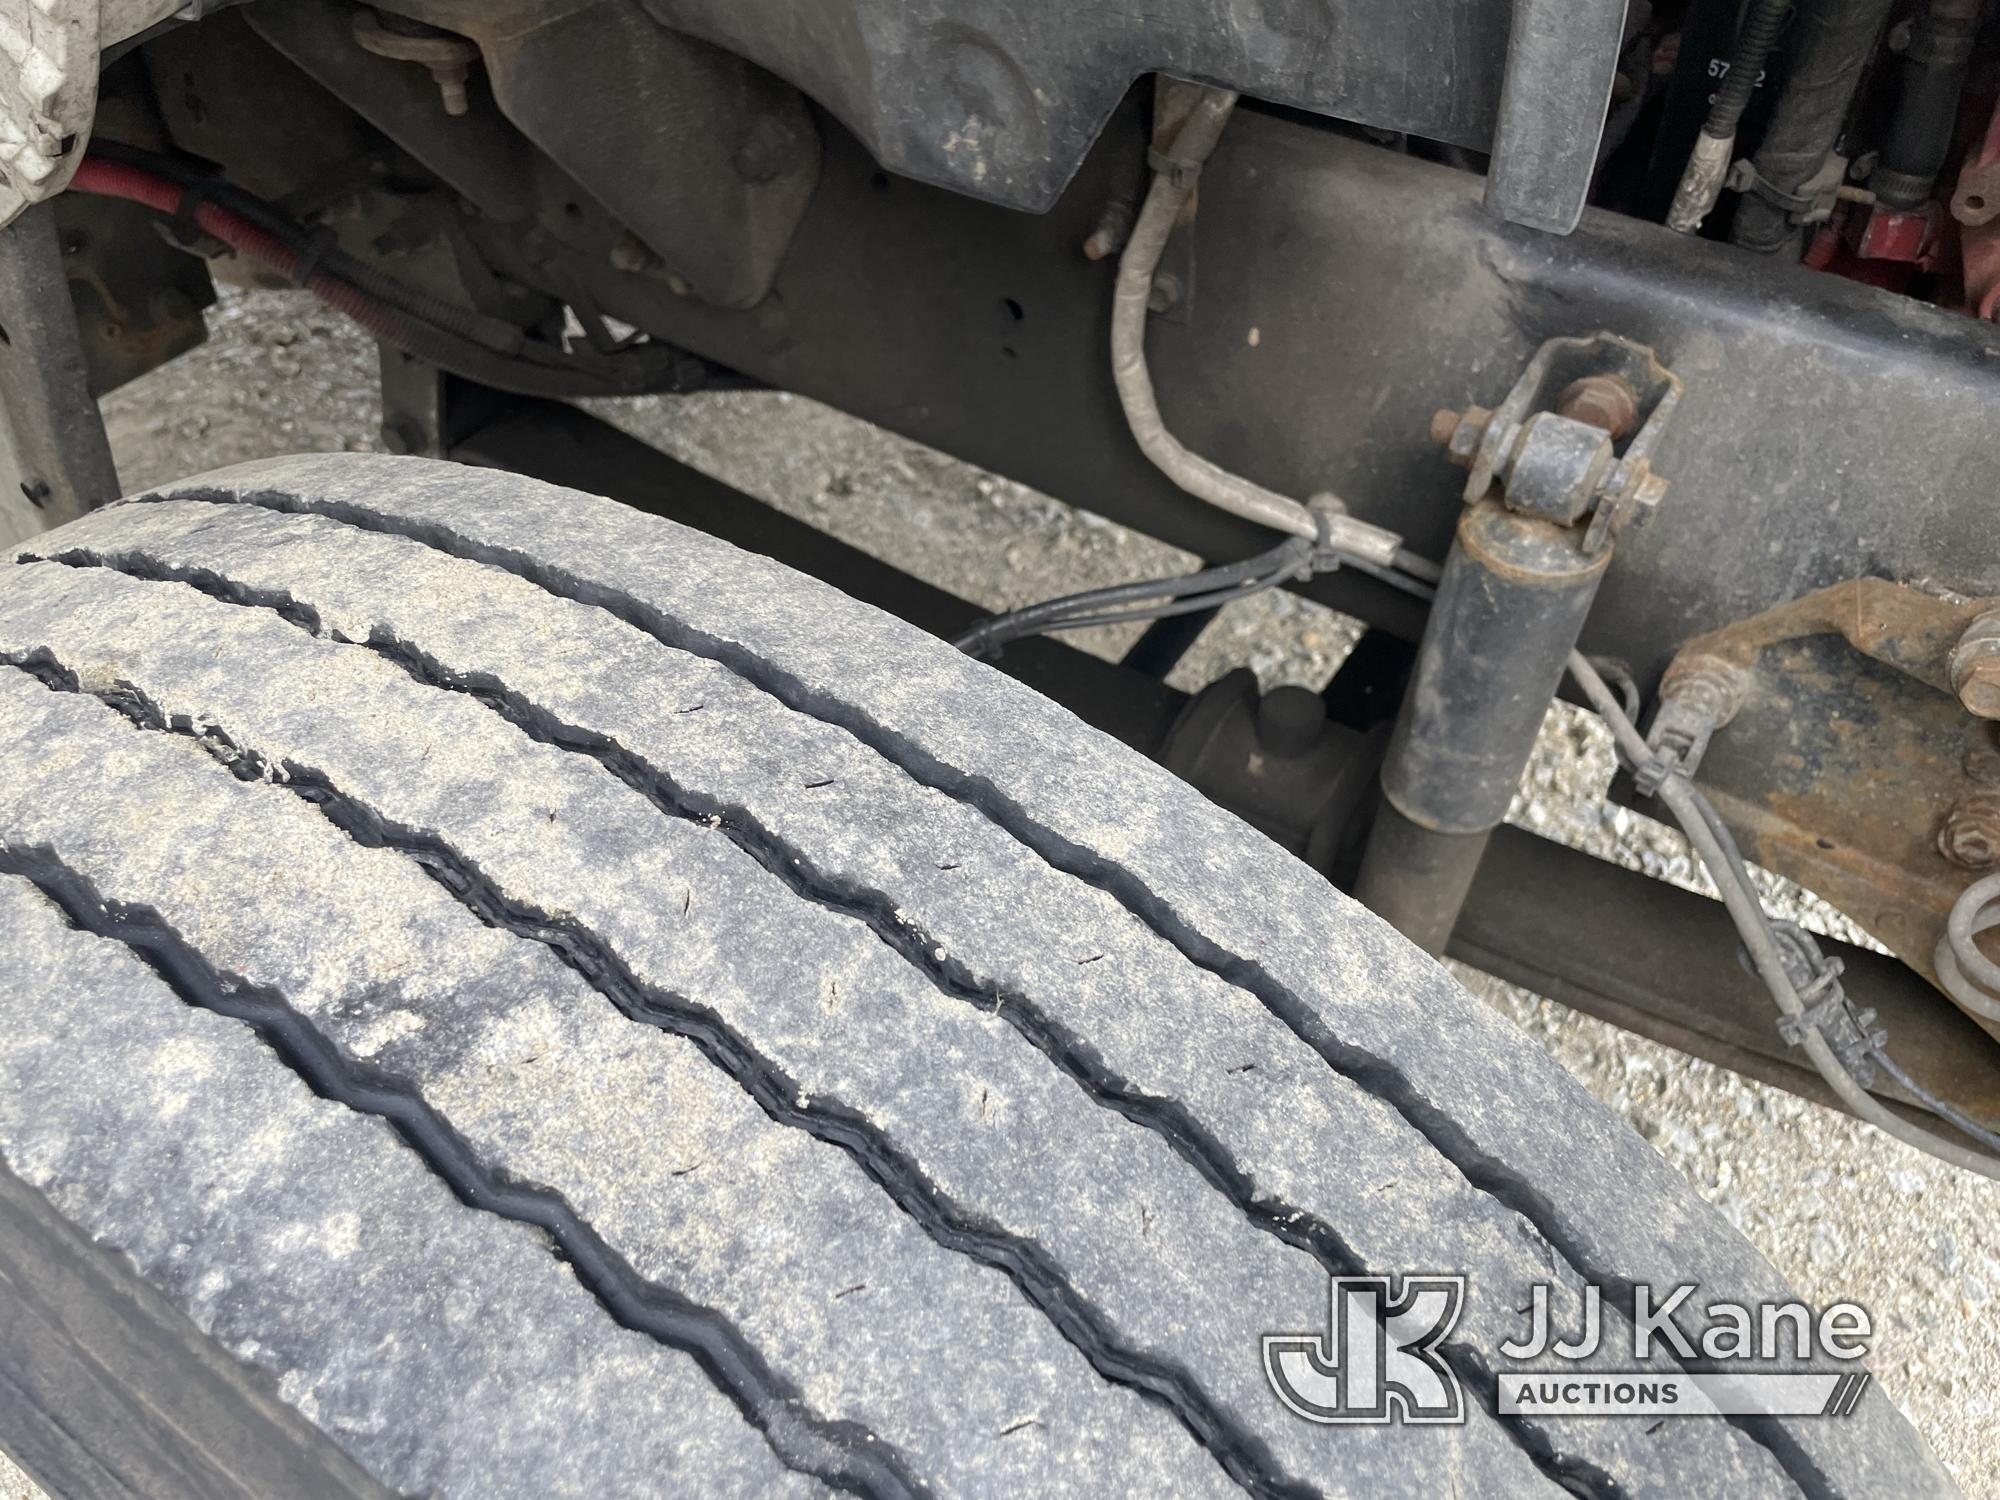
point(1114, 228)
point(1634, 485)
point(450, 79)
point(766, 150)
point(448, 58)
point(1970, 833)
point(1605, 402)
point(1460, 432)
point(630, 253)
point(1975, 666)
point(1166, 292)
point(1708, 686)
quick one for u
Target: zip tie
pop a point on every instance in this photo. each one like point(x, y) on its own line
point(1181, 171)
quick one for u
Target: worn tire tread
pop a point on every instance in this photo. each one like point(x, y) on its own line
point(568, 715)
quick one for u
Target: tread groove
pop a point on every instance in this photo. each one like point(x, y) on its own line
point(1068, 1053)
point(1166, 1118)
point(1374, 1075)
point(841, 1454)
point(1033, 1271)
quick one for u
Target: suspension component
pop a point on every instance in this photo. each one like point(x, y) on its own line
point(1522, 573)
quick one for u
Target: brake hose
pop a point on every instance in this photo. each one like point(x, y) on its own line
point(1174, 172)
point(1705, 831)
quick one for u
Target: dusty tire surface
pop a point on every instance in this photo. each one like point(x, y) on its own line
point(503, 995)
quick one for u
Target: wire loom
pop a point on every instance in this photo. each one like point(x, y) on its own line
point(197, 205)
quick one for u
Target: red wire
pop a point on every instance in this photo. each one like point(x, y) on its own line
point(110, 179)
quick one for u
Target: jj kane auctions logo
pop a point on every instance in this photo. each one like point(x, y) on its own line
point(1386, 1356)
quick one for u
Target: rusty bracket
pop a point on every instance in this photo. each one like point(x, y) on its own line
point(1862, 714)
point(1554, 444)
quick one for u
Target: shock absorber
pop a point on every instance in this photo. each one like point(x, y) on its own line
point(1558, 469)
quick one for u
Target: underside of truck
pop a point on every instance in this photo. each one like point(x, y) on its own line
point(1640, 355)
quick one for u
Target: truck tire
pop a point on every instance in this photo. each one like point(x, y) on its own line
point(502, 995)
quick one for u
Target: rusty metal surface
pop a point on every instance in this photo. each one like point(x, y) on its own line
point(138, 302)
point(1975, 204)
point(1901, 627)
point(1571, 388)
point(1873, 784)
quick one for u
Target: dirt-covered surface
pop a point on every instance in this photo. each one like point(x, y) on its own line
point(1844, 1212)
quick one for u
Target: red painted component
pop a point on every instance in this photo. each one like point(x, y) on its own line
point(1882, 247)
point(111, 179)
point(1909, 235)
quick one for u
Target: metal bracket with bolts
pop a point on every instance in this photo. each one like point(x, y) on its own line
point(1553, 445)
point(448, 56)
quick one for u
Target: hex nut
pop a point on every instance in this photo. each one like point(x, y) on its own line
point(1460, 432)
point(1970, 833)
point(1974, 667)
point(1605, 402)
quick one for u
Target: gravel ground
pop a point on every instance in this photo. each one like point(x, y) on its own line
point(1843, 1211)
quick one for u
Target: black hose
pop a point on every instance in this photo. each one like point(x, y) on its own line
point(1940, 1107)
point(1147, 599)
point(1932, 77)
point(1708, 162)
point(1835, 40)
point(1746, 66)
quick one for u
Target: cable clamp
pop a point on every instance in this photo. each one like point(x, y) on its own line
point(1181, 171)
point(322, 244)
point(1650, 774)
point(1849, 1030)
point(1745, 178)
point(183, 228)
point(1851, 1033)
point(1324, 554)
